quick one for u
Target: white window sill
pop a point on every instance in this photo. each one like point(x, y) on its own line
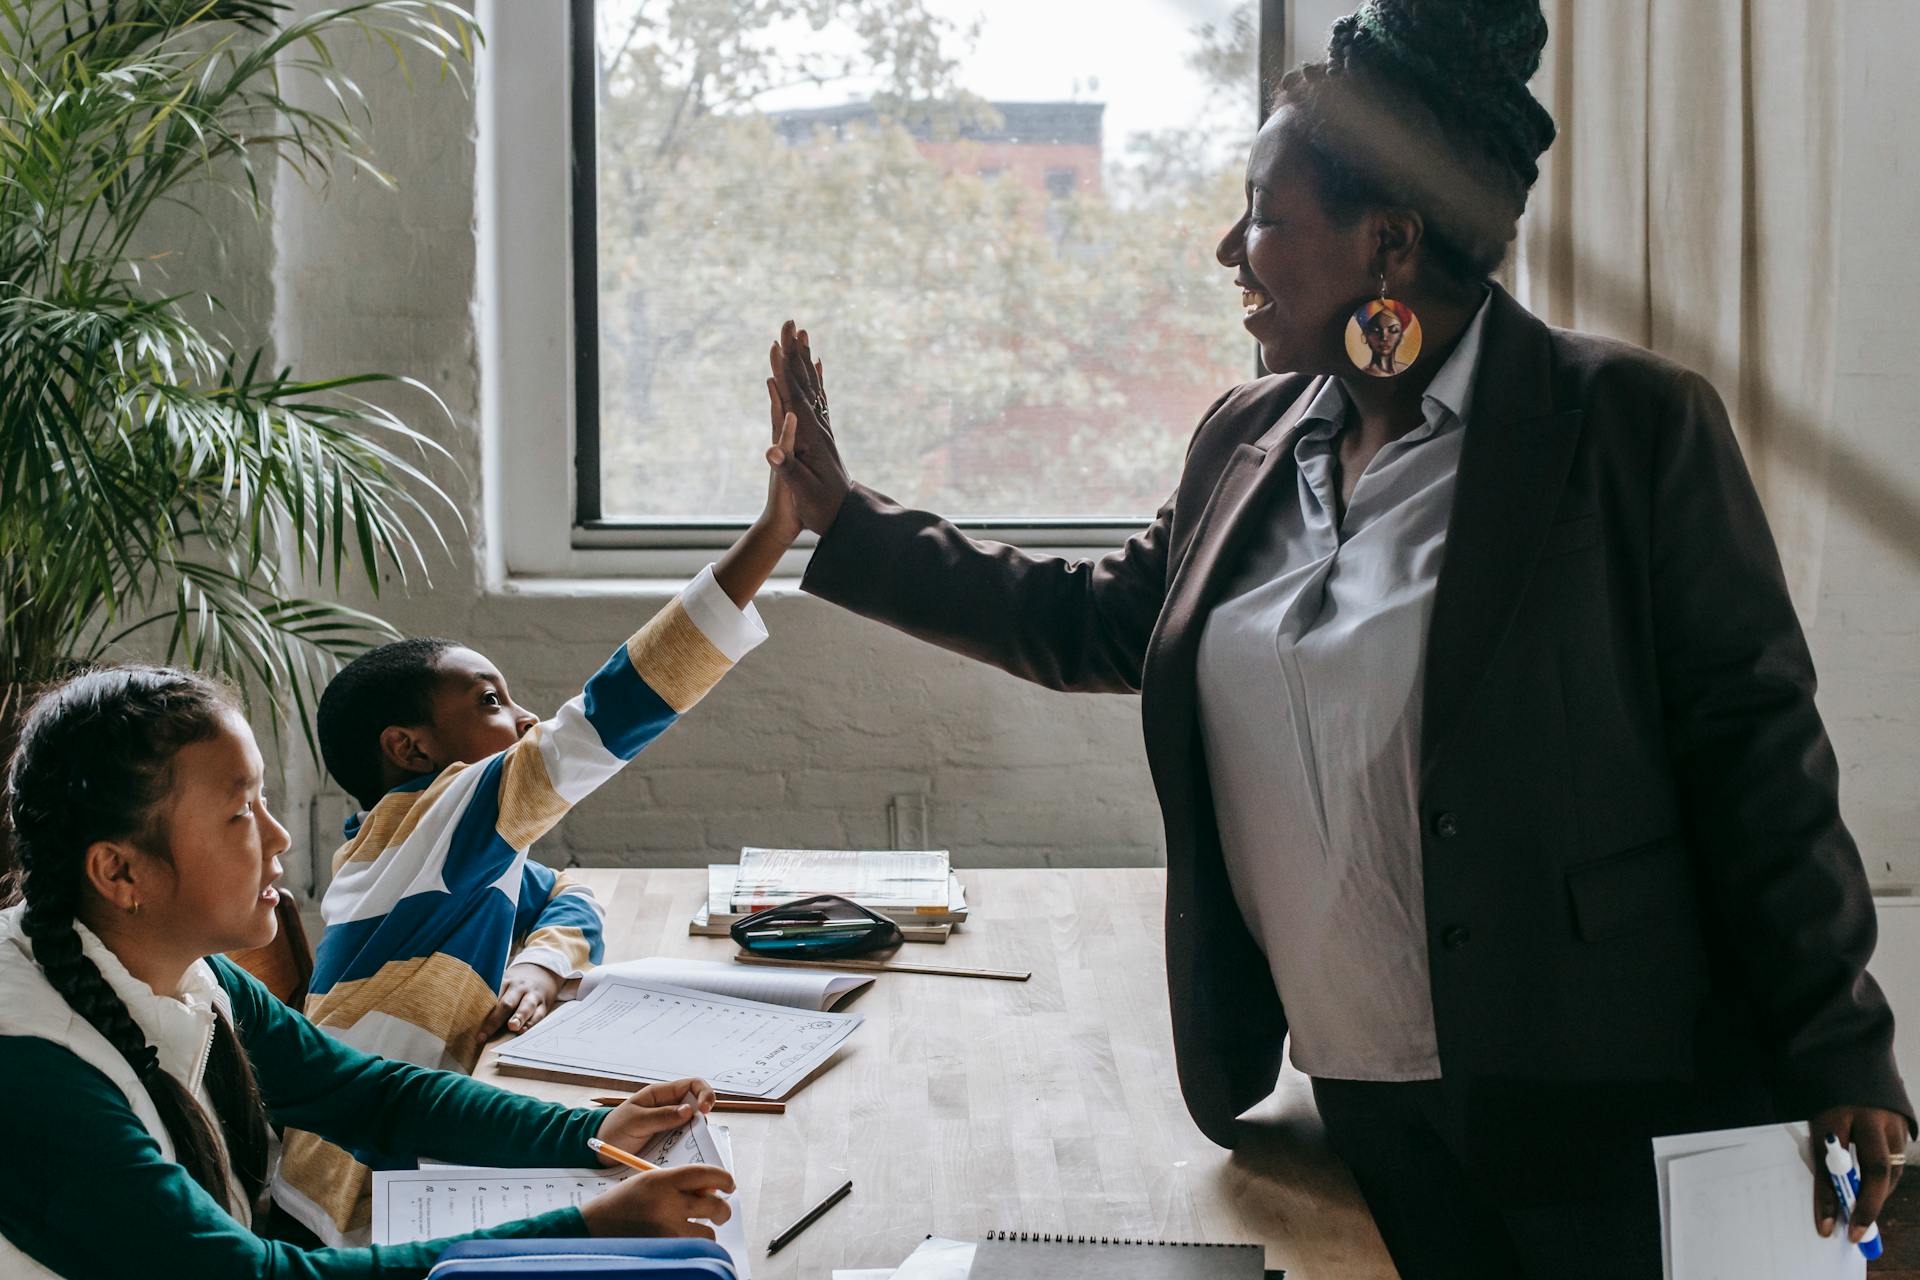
point(651, 587)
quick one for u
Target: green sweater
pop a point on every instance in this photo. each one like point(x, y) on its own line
point(85, 1190)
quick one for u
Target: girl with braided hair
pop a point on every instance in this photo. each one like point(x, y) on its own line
point(1481, 720)
point(142, 1073)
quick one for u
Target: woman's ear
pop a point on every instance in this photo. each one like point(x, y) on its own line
point(1397, 237)
point(113, 871)
point(405, 749)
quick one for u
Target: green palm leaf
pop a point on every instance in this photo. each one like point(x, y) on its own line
point(160, 486)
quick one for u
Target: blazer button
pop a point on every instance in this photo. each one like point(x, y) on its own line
point(1447, 825)
point(1456, 936)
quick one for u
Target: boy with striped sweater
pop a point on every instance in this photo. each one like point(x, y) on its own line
point(440, 928)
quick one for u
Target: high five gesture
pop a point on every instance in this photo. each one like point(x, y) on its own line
point(804, 456)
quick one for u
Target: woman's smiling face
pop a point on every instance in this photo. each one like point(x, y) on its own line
point(1301, 272)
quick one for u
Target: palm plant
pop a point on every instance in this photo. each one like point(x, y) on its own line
point(160, 484)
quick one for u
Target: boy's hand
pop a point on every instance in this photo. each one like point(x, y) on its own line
point(755, 554)
point(666, 1202)
point(780, 516)
point(654, 1110)
point(528, 993)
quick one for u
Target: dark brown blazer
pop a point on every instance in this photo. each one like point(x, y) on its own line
point(1633, 853)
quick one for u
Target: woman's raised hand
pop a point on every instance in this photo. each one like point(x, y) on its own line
point(804, 456)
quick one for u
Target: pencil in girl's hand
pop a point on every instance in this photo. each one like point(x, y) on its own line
point(612, 1152)
point(719, 1104)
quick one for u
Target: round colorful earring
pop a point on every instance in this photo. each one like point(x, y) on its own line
point(1383, 336)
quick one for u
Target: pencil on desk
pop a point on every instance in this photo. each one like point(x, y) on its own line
point(627, 1158)
point(808, 1218)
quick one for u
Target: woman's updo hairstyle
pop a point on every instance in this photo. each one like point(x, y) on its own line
point(94, 762)
point(1424, 103)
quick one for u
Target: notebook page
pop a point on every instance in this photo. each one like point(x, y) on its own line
point(876, 878)
point(938, 1258)
point(627, 1031)
point(451, 1200)
point(797, 988)
point(448, 1200)
point(1746, 1213)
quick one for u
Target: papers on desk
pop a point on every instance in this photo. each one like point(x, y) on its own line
point(884, 880)
point(938, 1259)
point(631, 1030)
point(796, 988)
point(923, 922)
point(1737, 1204)
point(448, 1200)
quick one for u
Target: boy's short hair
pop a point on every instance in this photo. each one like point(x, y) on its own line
point(382, 687)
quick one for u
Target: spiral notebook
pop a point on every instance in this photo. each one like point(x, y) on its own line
point(1023, 1255)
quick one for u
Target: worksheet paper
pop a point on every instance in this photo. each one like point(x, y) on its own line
point(653, 1032)
point(1737, 1204)
point(938, 1259)
point(450, 1200)
point(811, 989)
point(878, 879)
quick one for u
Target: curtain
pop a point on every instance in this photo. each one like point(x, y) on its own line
point(1690, 205)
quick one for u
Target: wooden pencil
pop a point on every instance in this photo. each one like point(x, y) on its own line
point(719, 1104)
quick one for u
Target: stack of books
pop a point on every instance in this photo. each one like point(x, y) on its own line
point(916, 889)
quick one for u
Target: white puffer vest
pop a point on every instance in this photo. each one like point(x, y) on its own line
point(181, 1028)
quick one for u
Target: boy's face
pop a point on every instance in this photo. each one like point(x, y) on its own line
point(473, 717)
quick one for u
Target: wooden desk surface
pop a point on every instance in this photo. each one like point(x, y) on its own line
point(963, 1105)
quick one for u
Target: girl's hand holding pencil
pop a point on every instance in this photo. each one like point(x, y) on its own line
point(680, 1201)
point(654, 1110)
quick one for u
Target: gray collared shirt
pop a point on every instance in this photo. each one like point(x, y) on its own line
point(1310, 673)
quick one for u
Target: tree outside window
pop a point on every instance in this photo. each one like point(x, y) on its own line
point(1015, 296)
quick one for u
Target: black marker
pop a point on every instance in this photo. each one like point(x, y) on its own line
point(807, 1219)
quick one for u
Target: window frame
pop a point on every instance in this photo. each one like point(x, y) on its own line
point(538, 320)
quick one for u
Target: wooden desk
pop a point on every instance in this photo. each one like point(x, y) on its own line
point(963, 1105)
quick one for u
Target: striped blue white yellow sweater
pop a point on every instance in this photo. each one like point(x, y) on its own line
point(433, 884)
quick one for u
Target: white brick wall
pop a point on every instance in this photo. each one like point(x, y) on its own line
point(832, 718)
point(1866, 634)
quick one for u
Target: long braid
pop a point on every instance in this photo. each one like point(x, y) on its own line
point(92, 764)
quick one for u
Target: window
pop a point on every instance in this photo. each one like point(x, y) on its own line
point(997, 219)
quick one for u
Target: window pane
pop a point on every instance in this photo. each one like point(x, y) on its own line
point(995, 217)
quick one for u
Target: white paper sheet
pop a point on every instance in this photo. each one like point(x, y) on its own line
point(1737, 1204)
point(811, 989)
point(938, 1259)
point(450, 1200)
point(880, 879)
point(657, 1032)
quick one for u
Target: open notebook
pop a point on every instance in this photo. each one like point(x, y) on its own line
point(631, 1027)
point(445, 1199)
point(795, 988)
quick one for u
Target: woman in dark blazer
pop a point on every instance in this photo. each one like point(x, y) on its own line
point(1480, 718)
